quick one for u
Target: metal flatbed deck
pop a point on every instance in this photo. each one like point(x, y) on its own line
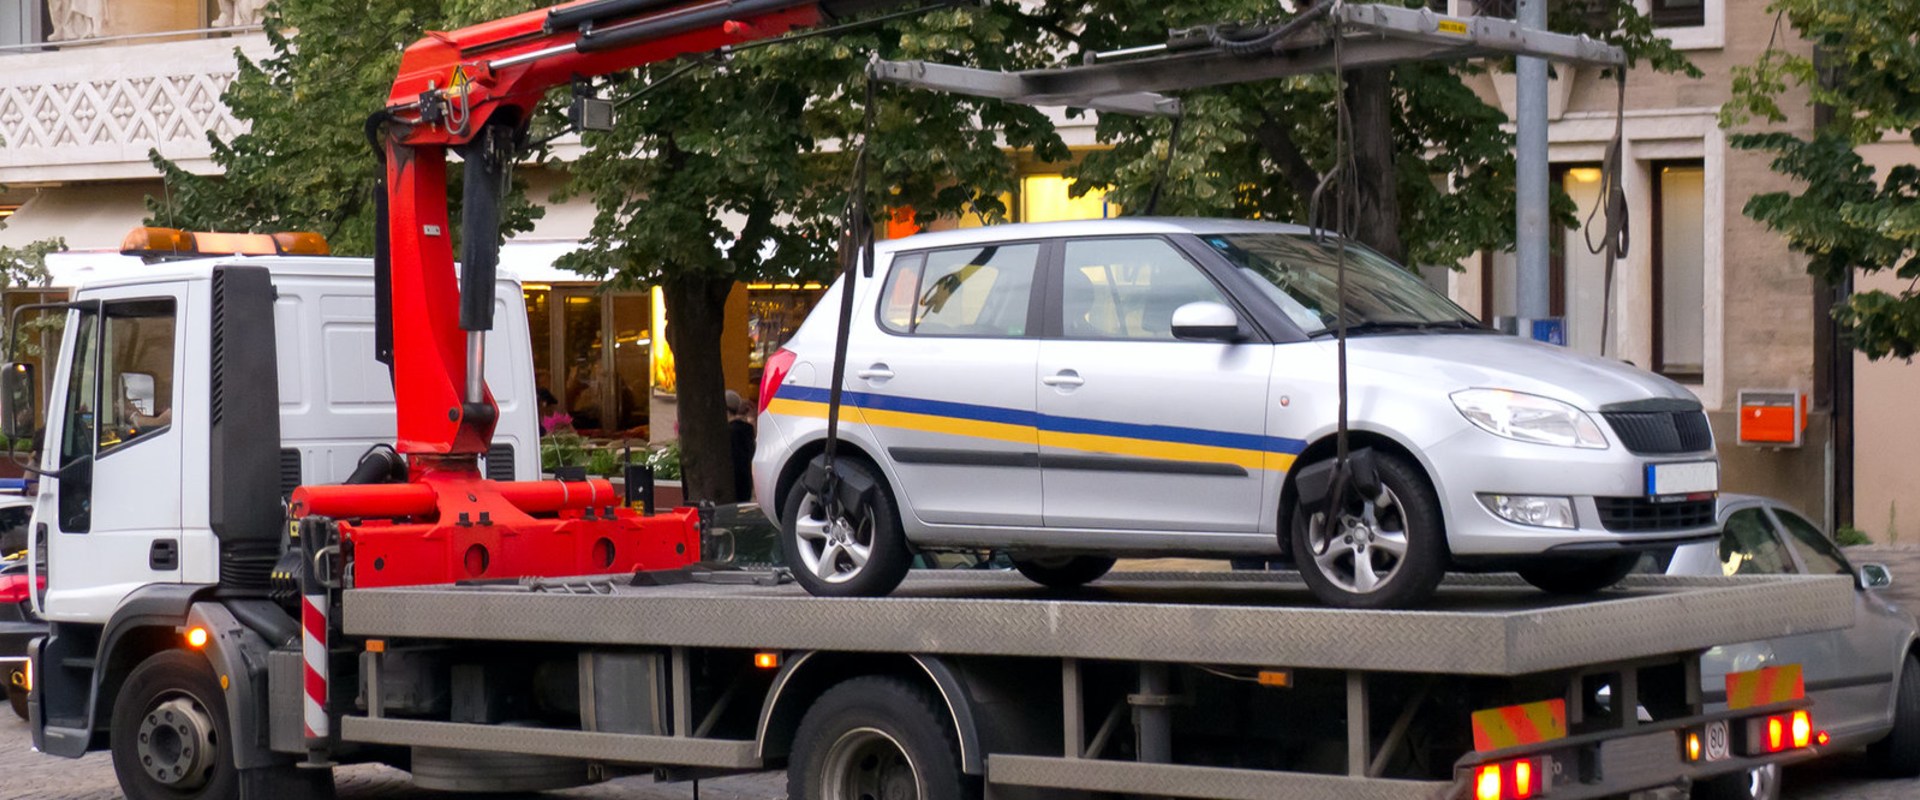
point(1477, 625)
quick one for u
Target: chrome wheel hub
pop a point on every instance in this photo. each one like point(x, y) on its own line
point(835, 550)
point(176, 742)
point(868, 764)
point(1366, 546)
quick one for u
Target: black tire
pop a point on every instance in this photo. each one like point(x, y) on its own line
point(872, 729)
point(1414, 575)
point(1063, 572)
point(166, 678)
point(1898, 755)
point(1758, 784)
point(877, 528)
point(1571, 575)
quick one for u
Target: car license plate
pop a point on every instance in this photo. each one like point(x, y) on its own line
point(1718, 746)
point(1684, 478)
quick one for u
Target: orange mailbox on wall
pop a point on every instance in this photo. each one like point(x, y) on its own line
point(1773, 417)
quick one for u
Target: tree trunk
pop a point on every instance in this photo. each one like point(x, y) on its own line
point(1376, 220)
point(696, 316)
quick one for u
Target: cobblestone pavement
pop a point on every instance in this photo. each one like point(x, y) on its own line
point(25, 774)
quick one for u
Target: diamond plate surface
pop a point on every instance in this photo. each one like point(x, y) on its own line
point(1484, 625)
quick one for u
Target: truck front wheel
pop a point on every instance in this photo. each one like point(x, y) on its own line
point(876, 737)
point(170, 738)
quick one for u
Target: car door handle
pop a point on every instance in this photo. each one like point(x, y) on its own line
point(877, 372)
point(1065, 377)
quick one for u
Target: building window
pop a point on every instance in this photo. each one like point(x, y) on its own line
point(1576, 278)
point(1679, 269)
point(1679, 13)
point(1047, 198)
point(21, 22)
point(592, 352)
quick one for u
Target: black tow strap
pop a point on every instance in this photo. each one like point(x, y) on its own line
point(856, 249)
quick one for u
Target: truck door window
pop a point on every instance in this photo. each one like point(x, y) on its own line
point(1127, 289)
point(117, 394)
point(1749, 546)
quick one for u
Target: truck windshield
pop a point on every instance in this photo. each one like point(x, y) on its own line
point(1299, 276)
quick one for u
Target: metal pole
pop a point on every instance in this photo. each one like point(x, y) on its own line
point(1532, 282)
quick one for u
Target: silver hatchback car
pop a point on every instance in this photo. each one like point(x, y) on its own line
point(1073, 392)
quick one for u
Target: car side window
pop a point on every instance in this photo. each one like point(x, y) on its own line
point(968, 291)
point(1748, 546)
point(1814, 548)
point(1127, 289)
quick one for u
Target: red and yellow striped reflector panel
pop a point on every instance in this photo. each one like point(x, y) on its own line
point(1513, 726)
point(1765, 686)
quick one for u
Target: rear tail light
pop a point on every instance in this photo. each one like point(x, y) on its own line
point(1509, 780)
point(13, 588)
point(1779, 732)
point(775, 373)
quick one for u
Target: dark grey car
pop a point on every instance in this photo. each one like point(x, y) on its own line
point(1864, 680)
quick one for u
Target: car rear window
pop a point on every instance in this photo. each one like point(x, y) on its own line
point(969, 291)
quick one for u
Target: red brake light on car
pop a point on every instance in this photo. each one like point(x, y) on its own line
point(776, 370)
point(13, 588)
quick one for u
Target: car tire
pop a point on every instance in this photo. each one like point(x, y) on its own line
point(877, 736)
point(1754, 784)
point(1063, 572)
point(1331, 568)
point(171, 717)
point(824, 554)
point(1898, 755)
point(1571, 575)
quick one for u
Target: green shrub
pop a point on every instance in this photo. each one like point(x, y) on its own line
point(1849, 536)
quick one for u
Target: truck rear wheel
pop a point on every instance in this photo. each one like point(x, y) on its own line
point(170, 739)
point(1062, 572)
point(876, 737)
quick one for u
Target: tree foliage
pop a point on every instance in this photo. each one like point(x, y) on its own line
point(304, 162)
point(738, 169)
point(1847, 215)
point(1260, 150)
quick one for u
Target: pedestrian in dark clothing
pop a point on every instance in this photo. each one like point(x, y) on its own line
point(741, 433)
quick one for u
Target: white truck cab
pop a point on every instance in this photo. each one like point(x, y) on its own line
point(130, 395)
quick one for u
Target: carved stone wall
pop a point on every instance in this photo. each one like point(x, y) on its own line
point(94, 113)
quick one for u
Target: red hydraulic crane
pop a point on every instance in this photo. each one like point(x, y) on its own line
point(473, 91)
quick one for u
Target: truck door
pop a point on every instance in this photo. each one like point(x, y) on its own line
point(114, 510)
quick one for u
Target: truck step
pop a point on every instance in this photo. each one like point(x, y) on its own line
point(78, 662)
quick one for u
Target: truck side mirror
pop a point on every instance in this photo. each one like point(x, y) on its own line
point(17, 399)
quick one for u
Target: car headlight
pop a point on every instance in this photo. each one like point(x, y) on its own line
point(1529, 418)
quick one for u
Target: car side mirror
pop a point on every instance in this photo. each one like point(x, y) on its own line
point(17, 399)
point(1206, 322)
point(1875, 576)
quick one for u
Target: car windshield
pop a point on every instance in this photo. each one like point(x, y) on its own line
point(1300, 276)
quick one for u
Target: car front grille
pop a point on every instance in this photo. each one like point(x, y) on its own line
point(1651, 433)
point(1641, 515)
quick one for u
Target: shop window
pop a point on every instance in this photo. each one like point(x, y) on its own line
point(1678, 13)
point(591, 354)
point(773, 314)
point(1679, 269)
point(1047, 198)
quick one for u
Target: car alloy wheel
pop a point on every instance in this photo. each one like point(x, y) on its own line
point(1363, 552)
point(834, 549)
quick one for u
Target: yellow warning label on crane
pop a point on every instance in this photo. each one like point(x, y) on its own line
point(1453, 26)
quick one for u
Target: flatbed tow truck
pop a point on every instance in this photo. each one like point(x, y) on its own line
point(507, 636)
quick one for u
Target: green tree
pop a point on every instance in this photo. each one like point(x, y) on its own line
point(738, 170)
point(1846, 215)
point(304, 162)
point(1434, 171)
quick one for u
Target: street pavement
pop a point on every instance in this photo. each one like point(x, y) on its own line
point(25, 774)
